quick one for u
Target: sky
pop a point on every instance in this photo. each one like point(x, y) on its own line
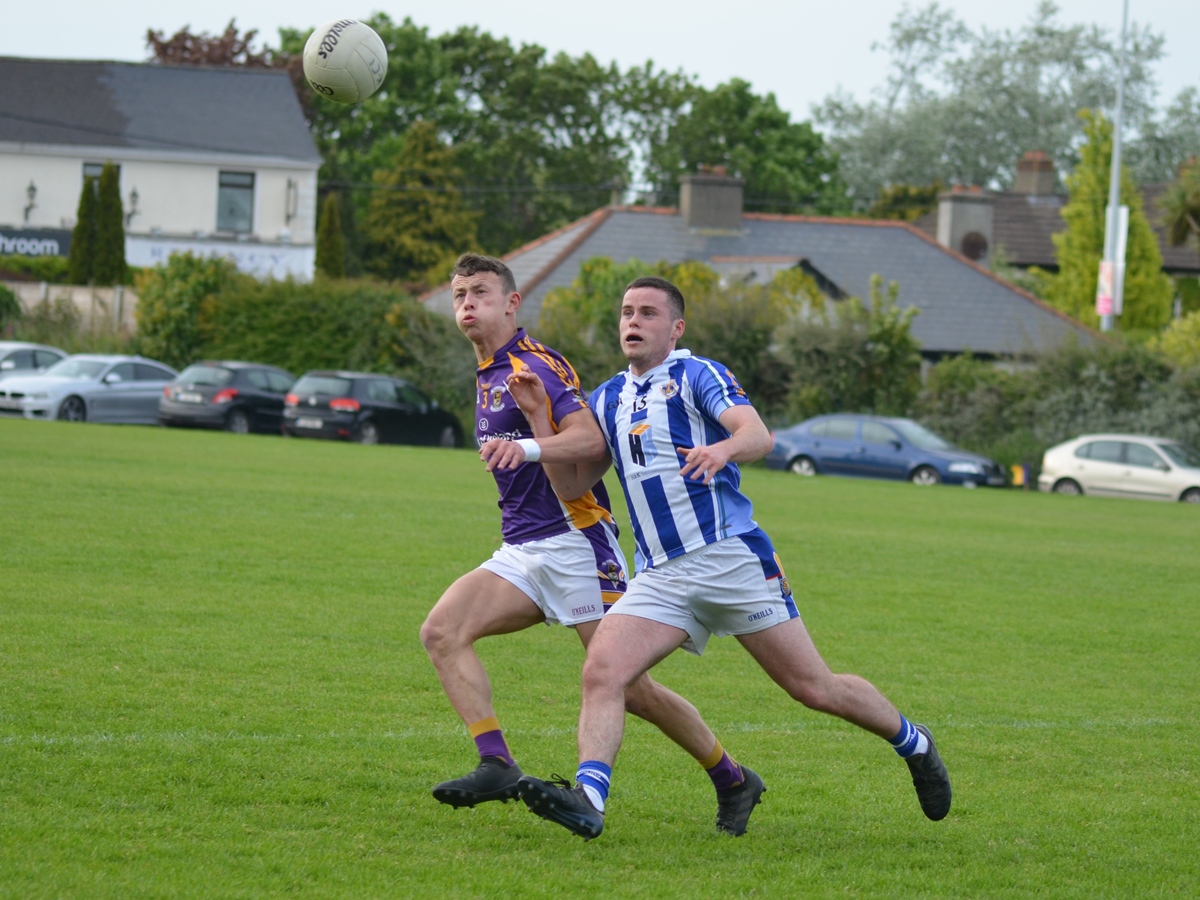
point(799, 50)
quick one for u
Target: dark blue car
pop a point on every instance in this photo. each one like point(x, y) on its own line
point(878, 447)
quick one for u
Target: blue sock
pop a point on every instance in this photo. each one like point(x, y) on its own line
point(907, 738)
point(593, 776)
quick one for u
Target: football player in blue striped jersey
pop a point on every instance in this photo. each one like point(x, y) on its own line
point(675, 426)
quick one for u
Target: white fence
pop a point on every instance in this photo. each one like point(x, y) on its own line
point(100, 309)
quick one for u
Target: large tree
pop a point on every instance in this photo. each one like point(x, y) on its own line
point(417, 221)
point(331, 243)
point(1148, 292)
point(1182, 205)
point(109, 266)
point(962, 107)
point(787, 166)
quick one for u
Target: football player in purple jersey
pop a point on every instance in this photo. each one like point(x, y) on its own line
point(559, 561)
point(676, 426)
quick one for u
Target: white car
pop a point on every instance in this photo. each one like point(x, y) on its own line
point(19, 358)
point(90, 388)
point(1123, 465)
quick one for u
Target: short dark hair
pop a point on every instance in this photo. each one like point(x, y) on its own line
point(473, 263)
point(674, 295)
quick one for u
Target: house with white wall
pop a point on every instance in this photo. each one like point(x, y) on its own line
point(216, 161)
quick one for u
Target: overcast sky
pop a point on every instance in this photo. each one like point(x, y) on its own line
point(800, 51)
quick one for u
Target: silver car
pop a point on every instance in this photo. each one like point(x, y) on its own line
point(1123, 465)
point(90, 388)
point(19, 358)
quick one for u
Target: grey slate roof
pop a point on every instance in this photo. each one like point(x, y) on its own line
point(168, 108)
point(962, 305)
point(1023, 225)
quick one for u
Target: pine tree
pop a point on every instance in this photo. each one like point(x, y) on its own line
point(109, 267)
point(1148, 292)
point(417, 221)
point(331, 245)
point(81, 259)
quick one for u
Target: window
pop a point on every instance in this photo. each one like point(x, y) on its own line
point(257, 378)
point(235, 202)
point(93, 170)
point(122, 372)
point(1142, 456)
point(146, 372)
point(1104, 451)
point(411, 396)
point(22, 359)
point(382, 392)
point(837, 429)
point(209, 376)
point(874, 433)
point(1182, 455)
point(279, 382)
point(45, 358)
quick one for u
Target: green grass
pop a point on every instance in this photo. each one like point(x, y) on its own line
point(211, 686)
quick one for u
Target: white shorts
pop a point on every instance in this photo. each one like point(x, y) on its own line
point(735, 586)
point(573, 577)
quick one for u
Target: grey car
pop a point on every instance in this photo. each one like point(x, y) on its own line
point(90, 388)
point(18, 358)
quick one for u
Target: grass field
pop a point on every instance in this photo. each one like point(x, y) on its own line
point(211, 686)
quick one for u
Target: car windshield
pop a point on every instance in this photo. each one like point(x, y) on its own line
point(76, 368)
point(920, 437)
point(211, 376)
point(322, 384)
point(1182, 455)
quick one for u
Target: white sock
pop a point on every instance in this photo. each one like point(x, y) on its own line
point(922, 744)
point(594, 797)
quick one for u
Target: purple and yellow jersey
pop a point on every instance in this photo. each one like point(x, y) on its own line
point(529, 507)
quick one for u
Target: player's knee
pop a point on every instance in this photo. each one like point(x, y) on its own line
point(641, 698)
point(601, 674)
point(812, 695)
point(437, 634)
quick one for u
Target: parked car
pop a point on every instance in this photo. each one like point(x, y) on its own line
point(18, 358)
point(367, 408)
point(878, 447)
point(90, 388)
point(238, 396)
point(1123, 465)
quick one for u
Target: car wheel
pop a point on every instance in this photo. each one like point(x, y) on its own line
point(925, 475)
point(73, 409)
point(1068, 487)
point(238, 421)
point(368, 433)
point(1191, 495)
point(803, 465)
point(449, 437)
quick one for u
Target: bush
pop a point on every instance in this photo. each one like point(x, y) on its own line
point(170, 301)
point(52, 269)
point(10, 310)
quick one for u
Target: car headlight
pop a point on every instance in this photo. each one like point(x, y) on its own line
point(966, 468)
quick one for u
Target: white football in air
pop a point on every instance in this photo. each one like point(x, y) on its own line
point(345, 61)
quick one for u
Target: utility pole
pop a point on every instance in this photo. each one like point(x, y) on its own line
point(1112, 266)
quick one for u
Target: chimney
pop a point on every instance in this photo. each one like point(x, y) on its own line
point(712, 200)
point(964, 222)
point(1035, 174)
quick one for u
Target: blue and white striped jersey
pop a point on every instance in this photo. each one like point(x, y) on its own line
point(644, 419)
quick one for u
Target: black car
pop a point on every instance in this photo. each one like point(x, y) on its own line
point(370, 409)
point(238, 396)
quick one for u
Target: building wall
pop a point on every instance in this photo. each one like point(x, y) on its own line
point(177, 194)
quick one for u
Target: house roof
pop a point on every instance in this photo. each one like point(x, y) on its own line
point(1023, 225)
point(962, 305)
point(154, 107)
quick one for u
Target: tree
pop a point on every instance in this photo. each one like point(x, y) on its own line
point(1182, 206)
point(962, 107)
point(171, 302)
point(1180, 342)
point(787, 166)
point(331, 245)
point(226, 49)
point(81, 260)
point(1168, 140)
point(1148, 292)
point(416, 221)
point(10, 310)
point(109, 266)
point(905, 202)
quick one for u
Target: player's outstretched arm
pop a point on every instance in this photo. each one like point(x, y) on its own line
point(749, 439)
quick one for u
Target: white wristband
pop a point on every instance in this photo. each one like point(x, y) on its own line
point(533, 452)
